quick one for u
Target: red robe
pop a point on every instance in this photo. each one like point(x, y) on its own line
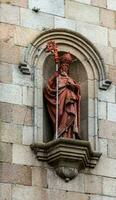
point(69, 105)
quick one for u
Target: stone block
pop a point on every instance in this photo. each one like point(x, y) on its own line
point(12, 16)
point(55, 182)
point(103, 146)
point(106, 54)
point(26, 155)
point(10, 93)
point(107, 95)
point(93, 184)
point(99, 3)
point(84, 1)
point(21, 115)
point(19, 78)
point(5, 112)
point(5, 191)
point(105, 167)
point(23, 36)
point(112, 112)
point(111, 4)
point(34, 20)
point(65, 23)
point(112, 148)
point(28, 96)
point(107, 18)
point(15, 174)
point(102, 110)
point(94, 33)
point(99, 197)
point(112, 74)
point(5, 73)
point(55, 8)
point(10, 133)
point(21, 3)
point(82, 12)
point(112, 36)
point(5, 152)
point(10, 53)
point(28, 135)
point(6, 33)
point(20, 192)
point(39, 177)
point(107, 129)
point(109, 186)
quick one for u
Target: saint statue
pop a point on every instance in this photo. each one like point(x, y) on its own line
point(62, 96)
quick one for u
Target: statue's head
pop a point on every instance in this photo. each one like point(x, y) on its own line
point(65, 62)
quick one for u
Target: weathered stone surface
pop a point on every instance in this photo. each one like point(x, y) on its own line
point(105, 167)
point(106, 54)
point(5, 191)
point(112, 148)
point(111, 4)
point(20, 79)
point(6, 33)
point(28, 96)
point(21, 3)
point(93, 184)
point(107, 129)
point(55, 182)
point(15, 174)
point(94, 33)
point(26, 155)
point(12, 16)
point(23, 36)
point(20, 192)
point(9, 53)
point(103, 146)
point(102, 110)
point(5, 73)
point(65, 23)
point(33, 20)
point(49, 6)
point(84, 1)
point(5, 152)
point(10, 93)
point(5, 112)
point(28, 135)
point(96, 197)
point(107, 18)
point(108, 95)
point(109, 186)
point(112, 36)
point(112, 112)
point(82, 12)
point(112, 74)
point(21, 115)
point(39, 177)
point(10, 133)
point(99, 3)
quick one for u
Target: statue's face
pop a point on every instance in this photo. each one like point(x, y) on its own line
point(64, 67)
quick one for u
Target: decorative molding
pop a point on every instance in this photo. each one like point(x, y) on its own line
point(74, 41)
point(67, 156)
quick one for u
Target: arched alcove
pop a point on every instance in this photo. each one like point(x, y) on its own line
point(88, 69)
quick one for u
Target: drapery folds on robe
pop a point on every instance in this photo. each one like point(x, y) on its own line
point(68, 104)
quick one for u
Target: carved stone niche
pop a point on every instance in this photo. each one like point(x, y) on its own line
point(67, 156)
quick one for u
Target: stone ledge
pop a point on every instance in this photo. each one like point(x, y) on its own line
point(67, 156)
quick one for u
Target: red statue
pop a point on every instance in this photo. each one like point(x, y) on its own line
point(62, 95)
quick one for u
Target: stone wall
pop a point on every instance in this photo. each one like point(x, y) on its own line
point(21, 175)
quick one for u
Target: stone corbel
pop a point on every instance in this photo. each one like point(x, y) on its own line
point(67, 156)
point(24, 69)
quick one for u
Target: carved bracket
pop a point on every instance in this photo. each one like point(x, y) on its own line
point(24, 69)
point(67, 156)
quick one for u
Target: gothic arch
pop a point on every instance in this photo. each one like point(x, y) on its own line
point(91, 62)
